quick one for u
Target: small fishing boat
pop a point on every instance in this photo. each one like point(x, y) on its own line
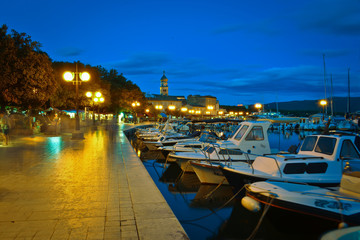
point(340, 205)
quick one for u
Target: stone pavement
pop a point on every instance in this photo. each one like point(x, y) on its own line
point(52, 187)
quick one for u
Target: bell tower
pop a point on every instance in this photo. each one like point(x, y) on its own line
point(164, 89)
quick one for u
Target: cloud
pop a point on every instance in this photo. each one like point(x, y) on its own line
point(264, 27)
point(69, 51)
point(331, 16)
point(144, 60)
point(328, 53)
point(291, 83)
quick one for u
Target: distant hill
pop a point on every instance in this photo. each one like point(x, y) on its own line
point(339, 103)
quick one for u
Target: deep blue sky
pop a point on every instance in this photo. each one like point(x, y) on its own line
point(241, 52)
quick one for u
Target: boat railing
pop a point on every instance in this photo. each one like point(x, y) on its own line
point(249, 161)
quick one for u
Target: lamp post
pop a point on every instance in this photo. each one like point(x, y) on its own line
point(97, 98)
point(323, 103)
point(134, 105)
point(74, 78)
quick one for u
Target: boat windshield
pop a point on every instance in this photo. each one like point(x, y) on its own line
point(326, 145)
point(234, 131)
point(309, 143)
point(241, 133)
point(348, 150)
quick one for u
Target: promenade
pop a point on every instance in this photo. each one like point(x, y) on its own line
point(52, 187)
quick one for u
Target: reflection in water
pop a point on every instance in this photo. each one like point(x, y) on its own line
point(187, 183)
point(79, 170)
point(213, 197)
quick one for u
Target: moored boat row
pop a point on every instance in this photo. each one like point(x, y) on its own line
point(244, 159)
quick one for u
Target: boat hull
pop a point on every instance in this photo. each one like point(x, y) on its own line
point(331, 210)
point(209, 173)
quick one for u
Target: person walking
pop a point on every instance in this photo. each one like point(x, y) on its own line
point(4, 125)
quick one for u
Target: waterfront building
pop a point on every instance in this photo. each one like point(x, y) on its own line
point(164, 89)
point(194, 105)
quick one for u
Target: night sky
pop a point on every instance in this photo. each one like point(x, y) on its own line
point(241, 52)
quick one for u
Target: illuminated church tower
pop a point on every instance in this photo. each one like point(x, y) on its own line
point(164, 90)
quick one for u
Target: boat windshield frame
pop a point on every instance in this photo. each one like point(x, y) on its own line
point(240, 134)
point(326, 145)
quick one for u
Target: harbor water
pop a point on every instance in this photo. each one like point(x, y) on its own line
point(211, 212)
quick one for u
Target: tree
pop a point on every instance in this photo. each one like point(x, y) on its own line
point(123, 93)
point(26, 76)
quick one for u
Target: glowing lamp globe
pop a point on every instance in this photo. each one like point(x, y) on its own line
point(84, 76)
point(68, 76)
point(89, 94)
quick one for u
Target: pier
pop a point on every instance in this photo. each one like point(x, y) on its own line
point(52, 187)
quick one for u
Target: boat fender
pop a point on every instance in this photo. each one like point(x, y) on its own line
point(250, 204)
point(342, 225)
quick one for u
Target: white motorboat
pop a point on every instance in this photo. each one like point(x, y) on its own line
point(190, 145)
point(340, 205)
point(170, 140)
point(320, 161)
point(250, 137)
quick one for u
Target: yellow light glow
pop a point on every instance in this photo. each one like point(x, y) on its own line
point(247, 113)
point(171, 107)
point(68, 76)
point(210, 107)
point(236, 113)
point(323, 102)
point(221, 112)
point(207, 112)
point(258, 105)
point(147, 110)
point(137, 104)
point(133, 104)
point(98, 94)
point(96, 99)
point(84, 76)
point(231, 113)
point(102, 99)
point(89, 94)
point(191, 111)
point(159, 107)
point(198, 112)
point(184, 109)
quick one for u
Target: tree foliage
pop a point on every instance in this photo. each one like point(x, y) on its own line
point(123, 93)
point(28, 79)
point(26, 76)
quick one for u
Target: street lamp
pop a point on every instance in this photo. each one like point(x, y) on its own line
point(258, 106)
point(97, 98)
point(158, 107)
point(323, 103)
point(134, 105)
point(74, 78)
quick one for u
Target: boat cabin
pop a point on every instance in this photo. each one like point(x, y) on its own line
point(322, 156)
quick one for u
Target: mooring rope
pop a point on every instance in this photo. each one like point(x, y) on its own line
point(252, 235)
point(216, 210)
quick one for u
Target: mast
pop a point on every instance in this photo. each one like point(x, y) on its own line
point(348, 100)
point(331, 97)
point(325, 82)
